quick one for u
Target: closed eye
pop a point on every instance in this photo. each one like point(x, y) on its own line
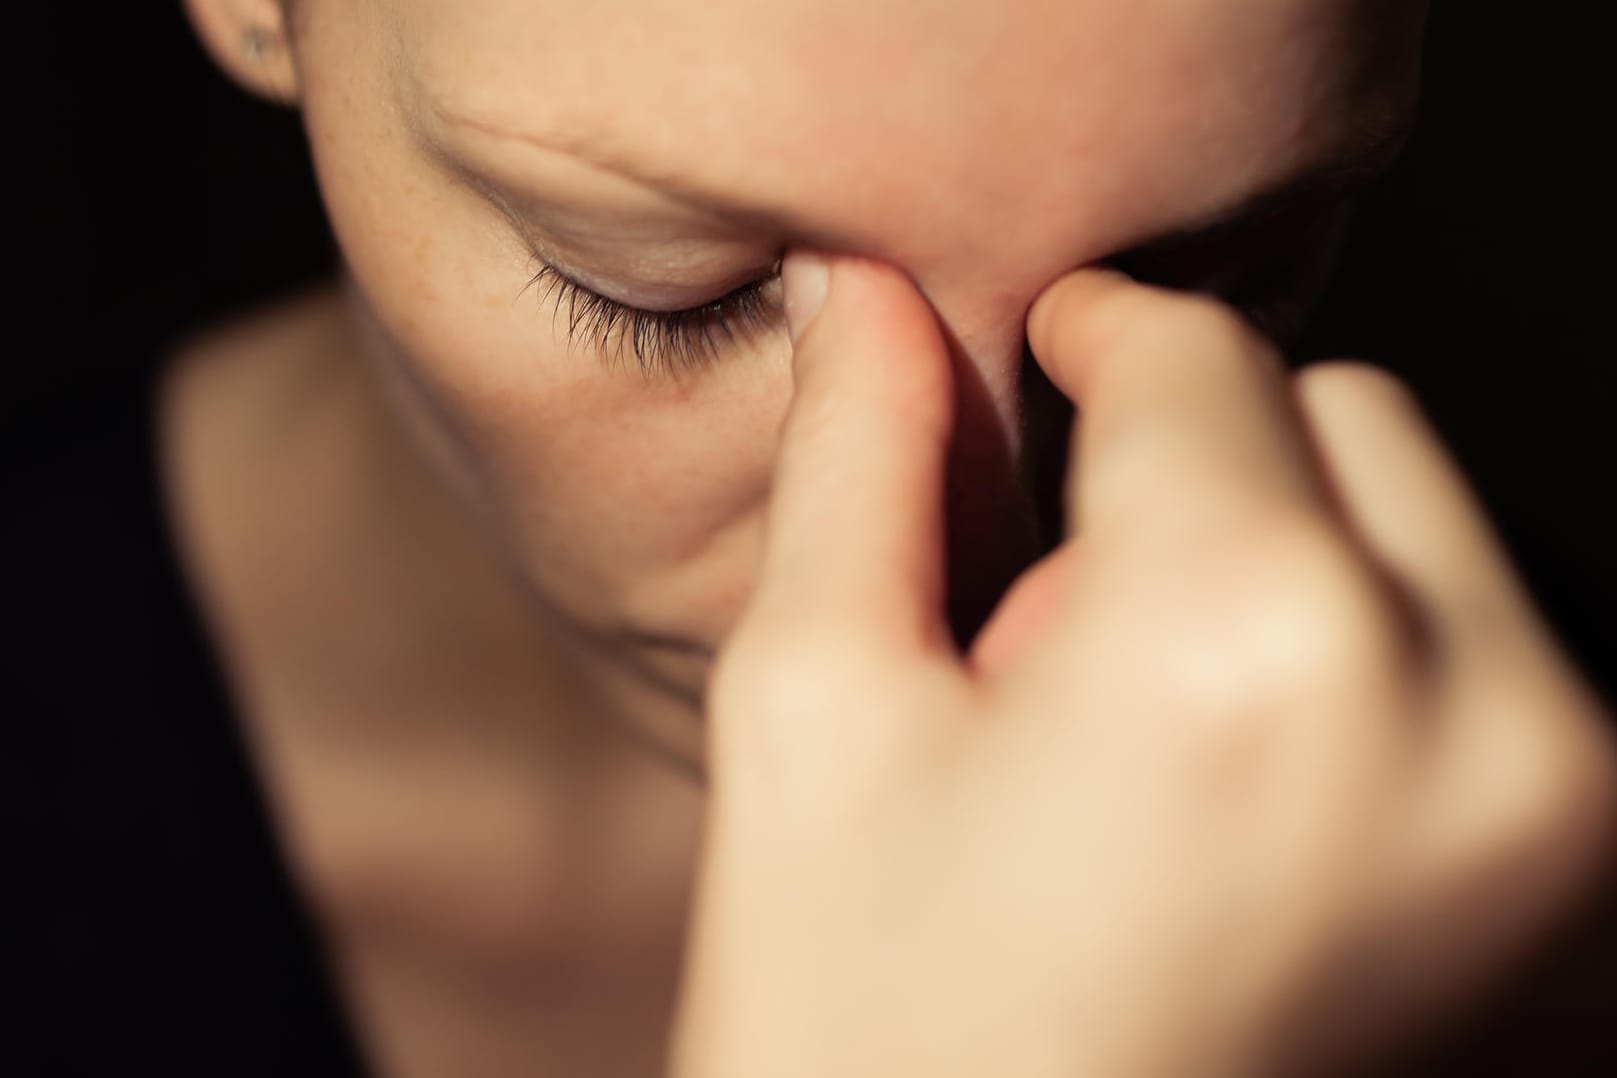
point(663, 343)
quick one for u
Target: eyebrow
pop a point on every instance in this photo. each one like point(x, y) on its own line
point(1355, 161)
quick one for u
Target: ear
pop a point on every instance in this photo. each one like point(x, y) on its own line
point(252, 42)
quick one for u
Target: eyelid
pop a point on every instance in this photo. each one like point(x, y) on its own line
point(664, 343)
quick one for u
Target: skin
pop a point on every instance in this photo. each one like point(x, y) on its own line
point(1170, 847)
point(518, 558)
point(632, 510)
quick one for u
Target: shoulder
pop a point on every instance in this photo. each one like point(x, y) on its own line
point(245, 417)
point(250, 380)
point(254, 445)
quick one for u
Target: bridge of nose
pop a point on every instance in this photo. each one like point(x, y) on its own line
point(1008, 445)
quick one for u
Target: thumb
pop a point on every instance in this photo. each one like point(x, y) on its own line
point(855, 534)
point(847, 609)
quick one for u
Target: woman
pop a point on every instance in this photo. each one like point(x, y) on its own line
point(470, 533)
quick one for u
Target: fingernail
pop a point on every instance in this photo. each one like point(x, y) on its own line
point(804, 277)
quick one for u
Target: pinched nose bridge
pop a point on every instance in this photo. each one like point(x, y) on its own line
point(1007, 462)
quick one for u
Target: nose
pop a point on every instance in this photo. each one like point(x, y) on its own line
point(1008, 453)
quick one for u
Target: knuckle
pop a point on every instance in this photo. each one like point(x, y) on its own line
point(762, 695)
point(1293, 617)
point(811, 667)
point(807, 720)
point(773, 675)
point(1522, 793)
point(1562, 805)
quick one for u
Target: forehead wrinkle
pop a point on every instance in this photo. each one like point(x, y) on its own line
point(695, 130)
point(603, 151)
point(734, 210)
point(809, 176)
point(858, 224)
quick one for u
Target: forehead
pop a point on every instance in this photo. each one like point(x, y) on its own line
point(1103, 116)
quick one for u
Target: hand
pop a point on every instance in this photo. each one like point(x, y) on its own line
point(1270, 759)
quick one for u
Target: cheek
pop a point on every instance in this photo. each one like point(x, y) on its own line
point(627, 504)
point(632, 508)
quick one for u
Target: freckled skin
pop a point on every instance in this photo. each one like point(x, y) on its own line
point(984, 148)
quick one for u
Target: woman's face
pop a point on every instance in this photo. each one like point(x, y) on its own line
point(666, 153)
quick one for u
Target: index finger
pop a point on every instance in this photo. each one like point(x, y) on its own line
point(1185, 413)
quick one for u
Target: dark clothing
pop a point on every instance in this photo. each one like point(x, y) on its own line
point(159, 928)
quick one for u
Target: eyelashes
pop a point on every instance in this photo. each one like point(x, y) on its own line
point(661, 342)
point(1259, 278)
